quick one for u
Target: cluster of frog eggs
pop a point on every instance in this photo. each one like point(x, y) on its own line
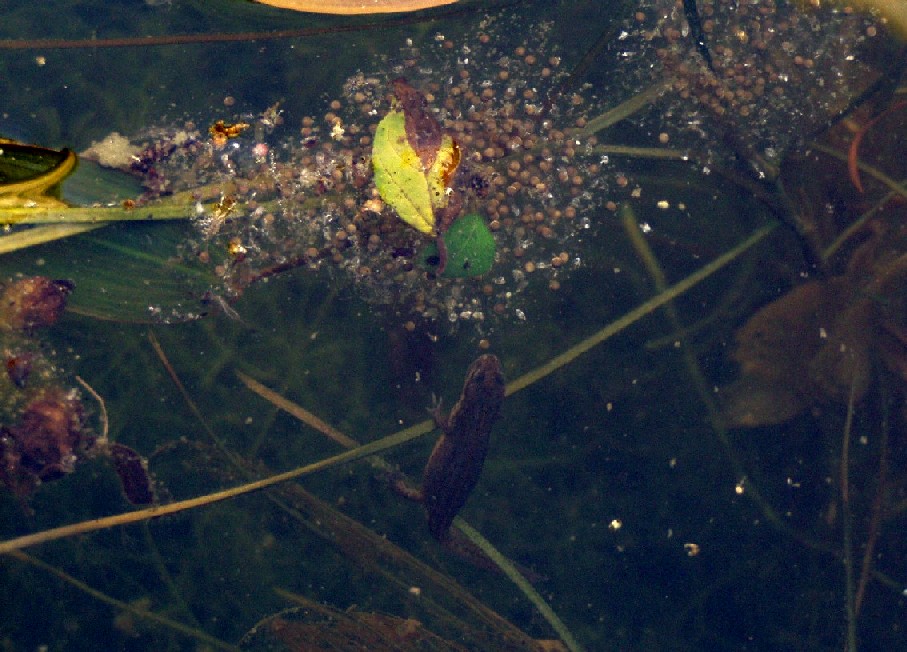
point(776, 70)
point(311, 202)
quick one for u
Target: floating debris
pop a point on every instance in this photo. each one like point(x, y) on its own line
point(44, 430)
point(529, 160)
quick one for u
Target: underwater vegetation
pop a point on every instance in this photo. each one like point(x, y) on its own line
point(675, 228)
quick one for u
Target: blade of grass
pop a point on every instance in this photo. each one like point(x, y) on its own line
point(297, 411)
point(621, 111)
point(43, 234)
point(522, 583)
point(125, 606)
point(637, 313)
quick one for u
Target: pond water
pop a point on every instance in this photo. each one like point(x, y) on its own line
point(693, 479)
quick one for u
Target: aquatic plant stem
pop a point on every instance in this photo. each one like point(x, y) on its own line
point(125, 606)
point(297, 411)
point(157, 511)
point(621, 111)
point(400, 437)
point(649, 153)
point(847, 525)
point(878, 507)
point(874, 172)
point(503, 563)
point(42, 235)
point(522, 583)
point(628, 221)
point(858, 224)
point(637, 313)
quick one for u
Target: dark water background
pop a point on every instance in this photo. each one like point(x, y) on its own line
point(619, 435)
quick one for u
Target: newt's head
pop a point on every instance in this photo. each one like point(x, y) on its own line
point(484, 380)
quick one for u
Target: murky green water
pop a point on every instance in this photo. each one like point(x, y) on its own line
point(651, 527)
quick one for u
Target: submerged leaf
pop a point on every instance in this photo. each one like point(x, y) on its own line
point(470, 248)
point(398, 174)
point(422, 130)
point(31, 176)
point(413, 161)
point(127, 272)
point(809, 347)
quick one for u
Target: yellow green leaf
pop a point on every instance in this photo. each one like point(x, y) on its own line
point(30, 176)
point(399, 175)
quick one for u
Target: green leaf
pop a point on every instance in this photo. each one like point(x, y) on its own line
point(470, 248)
point(125, 272)
point(399, 176)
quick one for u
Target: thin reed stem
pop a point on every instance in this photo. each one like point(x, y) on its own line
point(144, 614)
point(850, 606)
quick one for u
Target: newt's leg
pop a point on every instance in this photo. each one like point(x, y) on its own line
point(437, 413)
point(398, 483)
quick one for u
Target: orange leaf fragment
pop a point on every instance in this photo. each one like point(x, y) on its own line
point(354, 7)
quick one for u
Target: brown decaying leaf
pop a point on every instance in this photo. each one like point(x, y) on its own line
point(805, 348)
point(353, 7)
point(422, 131)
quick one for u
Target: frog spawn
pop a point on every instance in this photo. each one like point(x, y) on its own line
point(311, 202)
point(544, 185)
